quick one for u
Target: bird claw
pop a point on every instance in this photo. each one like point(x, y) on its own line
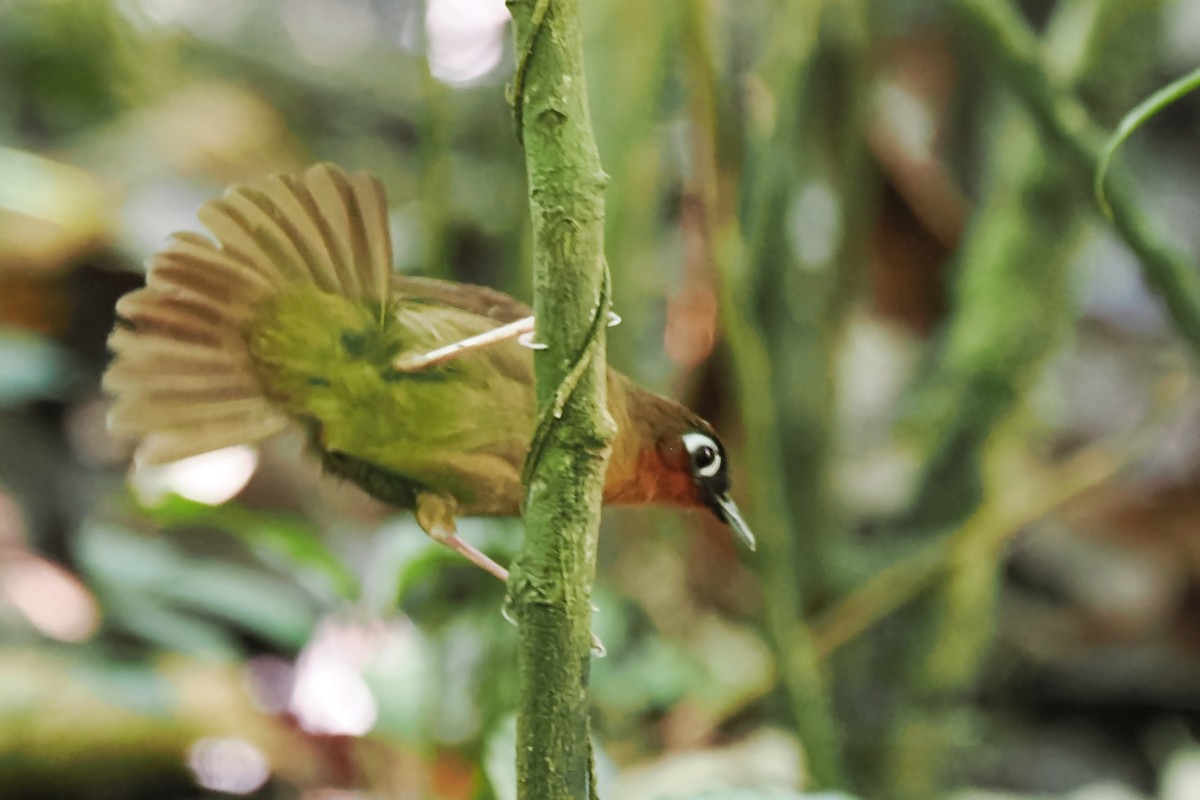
point(598, 648)
point(526, 340)
point(520, 329)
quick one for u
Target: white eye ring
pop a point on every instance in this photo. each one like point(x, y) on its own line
point(695, 442)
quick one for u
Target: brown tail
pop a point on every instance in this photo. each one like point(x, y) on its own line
point(182, 376)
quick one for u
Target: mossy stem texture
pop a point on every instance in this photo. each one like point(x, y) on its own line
point(551, 584)
point(1064, 121)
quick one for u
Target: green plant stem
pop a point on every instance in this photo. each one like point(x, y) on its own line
point(627, 87)
point(735, 258)
point(984, 533)
point(1012, 310)
point(1147, 110)
point(1039, 493)
point(1063, 120)
point(436, 177)
point(799, 669)
point(551, 582)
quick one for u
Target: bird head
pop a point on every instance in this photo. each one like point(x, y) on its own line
point(666, 454)
point(698, 454)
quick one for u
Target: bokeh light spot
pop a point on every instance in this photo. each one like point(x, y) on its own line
point(466, 38)
point(815, 224)
point(329, 32)
point(50, 598)
point(210, 478)
point(330, 695)
point(228, 765)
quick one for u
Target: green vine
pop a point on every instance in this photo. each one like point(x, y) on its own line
point(1141, 114)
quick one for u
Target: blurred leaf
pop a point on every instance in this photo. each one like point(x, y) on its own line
point(150, 588)
point(400, 676)
point(135, 685)
point(168, 628)
point(1142, 113)
point(33, 368)
point(720, 668)
point(291, 544)
point(1181, 780)
point(655, 675)
point(464, 645)
point(49, 212)
point(246, 598)
point(77, 63)
point(118, 558)
point(403, 556)
point(79, 724)
point(407, 558)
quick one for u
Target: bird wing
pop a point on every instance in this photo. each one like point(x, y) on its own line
point(183, 377)
point(186, 376)
point(467, 297)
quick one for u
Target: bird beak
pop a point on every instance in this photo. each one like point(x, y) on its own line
point(728, 511)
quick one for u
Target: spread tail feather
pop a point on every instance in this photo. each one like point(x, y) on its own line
point(182, 375)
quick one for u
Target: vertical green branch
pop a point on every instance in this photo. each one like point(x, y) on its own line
point(437, 166)
point(627, 83)
point(807, 278)
point(1013, 309)
point(551, 585)
point(1066, 123)
point(787, 551)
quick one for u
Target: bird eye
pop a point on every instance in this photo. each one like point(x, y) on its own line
point(705, 454)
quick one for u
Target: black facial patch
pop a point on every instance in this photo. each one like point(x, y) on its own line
point(705, 453)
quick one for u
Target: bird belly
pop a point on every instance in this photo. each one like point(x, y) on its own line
point(481, 483)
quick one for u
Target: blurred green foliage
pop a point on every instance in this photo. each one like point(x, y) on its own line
point(856, 235)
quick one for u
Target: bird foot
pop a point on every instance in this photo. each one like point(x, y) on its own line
point(420, 361)
point(521, 330)
point(435, 514)
point(473, 554)
point(484, 562)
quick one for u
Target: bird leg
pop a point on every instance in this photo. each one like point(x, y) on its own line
point(435, 515)
point(419, 361)
point(521, 329)
point(473, 554)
